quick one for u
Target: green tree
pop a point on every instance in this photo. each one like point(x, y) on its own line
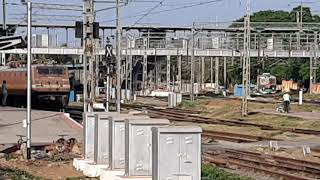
point(290, 68)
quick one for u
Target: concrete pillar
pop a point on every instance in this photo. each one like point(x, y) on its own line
point(168, 73)
point(158, 77)
point(217, 75)
point(238, 41)
point(130, 76)
point(225, 72)
point(298, 40)
point(211, 71)
point(3, 59)
point(179, 73)
point(67, 37)
point(312, 75)
point(308, 46)
point(202, 72)
point(273, 43)
point(145, 73)
point(155, 66)
point(232, 58)
point(300, 96)
point(290, 42)
point(199, 82)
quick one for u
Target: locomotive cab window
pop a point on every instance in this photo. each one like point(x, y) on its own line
point(56, 71)
point(50, 70)
point(43, 70)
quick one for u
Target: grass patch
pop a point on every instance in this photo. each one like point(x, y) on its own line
point(210, 172)
point(16, 174)
point(275, 120)
point(188, 104)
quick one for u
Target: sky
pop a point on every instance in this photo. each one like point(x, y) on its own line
point(136, 13)
point(221, 11)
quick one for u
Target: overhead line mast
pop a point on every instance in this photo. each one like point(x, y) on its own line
point(246, 63)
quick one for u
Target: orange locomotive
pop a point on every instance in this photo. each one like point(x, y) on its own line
point(50, 84)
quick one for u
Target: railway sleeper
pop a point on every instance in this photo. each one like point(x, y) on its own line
point(227, 163)
point(307, 164)
point(283, 165)
point(275, 172)
point(228, 138)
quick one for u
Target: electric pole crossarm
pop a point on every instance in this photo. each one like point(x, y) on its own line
point(68, 7)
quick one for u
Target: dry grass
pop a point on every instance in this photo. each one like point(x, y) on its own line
point(231, 109)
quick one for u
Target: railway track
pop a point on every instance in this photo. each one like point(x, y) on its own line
point(194, 117)
point(235, 137)
point(284, 167)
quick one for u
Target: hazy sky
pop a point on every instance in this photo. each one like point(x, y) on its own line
point(223, 10)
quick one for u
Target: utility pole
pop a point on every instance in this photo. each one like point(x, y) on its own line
point(145, 67)
point(179, 71)
point(216, 75)
point(29, 85)
point(202, 72)
point(168, 73)
point(4, 14)
point(301, 16)
point(192, 65)
point(88, 49)
point(211, 71)
point(225, 72)
point(246, 63)
point(118, 49)
point(156, 68)
point(130, 71)
point(126, 75)
point(313, 63)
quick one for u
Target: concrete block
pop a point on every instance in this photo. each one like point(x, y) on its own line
point(132, 178)
point(273, 145)
point(107, 174)
point(98, 106)
point(79, 163)
point(93, 170)
point(179, 98)
point(306, 150)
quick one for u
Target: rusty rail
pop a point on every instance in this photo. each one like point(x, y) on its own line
point(194, 117)
point(279, 166)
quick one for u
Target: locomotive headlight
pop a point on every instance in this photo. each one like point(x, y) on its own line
point(52, 98)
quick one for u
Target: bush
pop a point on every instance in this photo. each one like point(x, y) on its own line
point(210, 172)
point(187, 104)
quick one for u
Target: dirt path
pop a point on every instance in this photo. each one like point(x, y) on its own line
point(43, 169)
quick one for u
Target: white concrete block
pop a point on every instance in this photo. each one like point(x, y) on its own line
point(132, 178)
point(98, 106)
point(107, 174)
point(93, 170)
point(160, 93)
point(79, 163)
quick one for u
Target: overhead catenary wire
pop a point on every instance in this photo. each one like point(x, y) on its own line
point(166, 10)
point(149, 11)
point(123, 5)
point(47, 19)
point(47, 15)
point(68, 7)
